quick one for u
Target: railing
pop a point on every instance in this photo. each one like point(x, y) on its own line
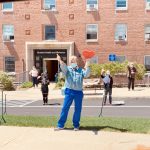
point(21, 77)
point(122, 80)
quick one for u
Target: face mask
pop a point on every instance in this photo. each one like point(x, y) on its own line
point(73, 65)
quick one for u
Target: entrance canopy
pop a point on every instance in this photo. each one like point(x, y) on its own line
point(46, 46)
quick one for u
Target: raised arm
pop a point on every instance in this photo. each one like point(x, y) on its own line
point(102, 73)
point(63, 66)
point(86, 71)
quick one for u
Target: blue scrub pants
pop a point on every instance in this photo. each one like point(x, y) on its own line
point(71, 95)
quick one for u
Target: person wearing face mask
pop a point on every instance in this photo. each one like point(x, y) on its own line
point(131, 75)
point(73, 90)
point(108, 83)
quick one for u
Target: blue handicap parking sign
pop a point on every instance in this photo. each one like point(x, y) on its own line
point(112, 57)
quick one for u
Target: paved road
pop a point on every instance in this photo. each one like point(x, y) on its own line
point(134, 107)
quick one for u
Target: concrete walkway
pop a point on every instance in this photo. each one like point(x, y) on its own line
point(21, 138)
point(35, 93)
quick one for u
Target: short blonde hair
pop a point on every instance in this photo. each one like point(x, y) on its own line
point(73, 59)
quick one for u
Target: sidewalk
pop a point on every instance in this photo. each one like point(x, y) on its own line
point(28, 138)
point(35, 93)
point(21, 138)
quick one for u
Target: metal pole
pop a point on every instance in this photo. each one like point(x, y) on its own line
point(2, 109)
point(5, 112)
point(102, 105)
point(148, 79)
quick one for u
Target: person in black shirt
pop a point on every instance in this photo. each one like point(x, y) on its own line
point(131, 75)
point(108, 83)
point(44, 87)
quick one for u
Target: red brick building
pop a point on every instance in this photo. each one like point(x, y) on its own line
point(32, 32)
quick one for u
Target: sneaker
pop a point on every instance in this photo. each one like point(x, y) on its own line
point(58, 128)
point(76, 129)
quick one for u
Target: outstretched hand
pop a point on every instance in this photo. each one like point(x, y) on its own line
point(58, 58)
point(87, 63)
point(102, 71)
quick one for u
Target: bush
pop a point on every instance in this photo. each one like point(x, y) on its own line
point(27, 85)
point(115, 68)
point(60, 82)
point(6, 81)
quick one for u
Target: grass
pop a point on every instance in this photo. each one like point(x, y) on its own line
point(133, 125)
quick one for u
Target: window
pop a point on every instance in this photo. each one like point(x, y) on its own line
point(147, 62)
point(91, 32)
point(8, 33)
point(121, 32)
point(94, 60)
point(147, 32)
point(49, 32)
point(121, 4)
point(120, 59)
point(9, 64)
point(8, 6)
point(148, 4)
point(92, 5)
point(50, 4)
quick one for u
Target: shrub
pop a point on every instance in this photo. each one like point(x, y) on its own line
point(6, 81)
point(27, 84)
point(60, 82)
point(115, 68)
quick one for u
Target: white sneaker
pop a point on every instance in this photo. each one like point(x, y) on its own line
point(76, 129)
point(58, 129)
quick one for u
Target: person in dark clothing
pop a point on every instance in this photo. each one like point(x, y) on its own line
point(108, 84)
point(44, 87)
point(131, 75)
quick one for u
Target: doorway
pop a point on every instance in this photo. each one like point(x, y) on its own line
point(52, 68)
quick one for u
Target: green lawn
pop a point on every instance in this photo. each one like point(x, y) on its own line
point(134, 125)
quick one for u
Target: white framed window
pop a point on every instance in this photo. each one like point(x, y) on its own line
point(147, 4)
point(49, 5)
point(94, 60)
point(8, 33)
point(147, 32)
point(49, 32)
point(91, 5)
point(120, 32)
point(92, 32)
point(9, 64)
point(7, 6)
point(121, 4)
point(147, 62)
point(120, 58)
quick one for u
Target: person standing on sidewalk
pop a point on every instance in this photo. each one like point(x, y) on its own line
point(108, 84)
point(34, 75)
point(44, 87)
point(73, 90)
point(131, 75)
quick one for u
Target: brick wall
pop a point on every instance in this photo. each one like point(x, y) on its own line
point(28, 20)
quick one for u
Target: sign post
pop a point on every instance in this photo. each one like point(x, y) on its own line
point(2, 99)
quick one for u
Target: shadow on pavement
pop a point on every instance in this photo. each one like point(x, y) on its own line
point(138, 89)
point(95, 129)
point(54, 104)
point(93, 93)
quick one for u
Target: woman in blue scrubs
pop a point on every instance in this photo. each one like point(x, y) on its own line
point(73, 90)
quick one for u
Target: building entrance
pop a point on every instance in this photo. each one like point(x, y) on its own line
point(51, 66)
point(45, 60)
